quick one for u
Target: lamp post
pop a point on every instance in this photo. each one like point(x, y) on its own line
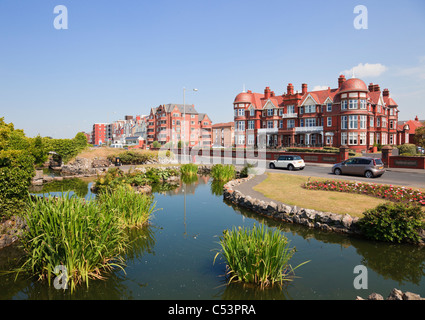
point(184, 121)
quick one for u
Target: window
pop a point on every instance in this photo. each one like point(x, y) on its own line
point(310, 109)
point(241, 112)
point(270, 124)
point(353, 122)
point(290, 109)
point(236, 112)
point(344, 105)
point(384, 122)
point(241, 139)
point(391, 124)
point(343, 138)
point(252, 112)
point(241, 125)
point(302, 123)
point(378, 122)
point(250, 139)
point(192, 116)
point(352, 138)
point(344, 122)
point(329, 119)
point(371, 138)
point(301, 110)
point(391, 139)
point(329, 107)
point(269, 112)
point(371, 122)
point(363, 104)
point(280, 124)
point(290, 123)
point(251, 125)
point(363, 122)
point(310, 122)
point(280, 112)
point(354, 104)
point(275, 124)
point(362, 138)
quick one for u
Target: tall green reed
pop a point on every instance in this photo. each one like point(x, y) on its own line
point(258, 255)
point(74, 233)
point(222, 172)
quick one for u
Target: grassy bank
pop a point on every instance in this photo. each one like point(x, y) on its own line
point(288, 189)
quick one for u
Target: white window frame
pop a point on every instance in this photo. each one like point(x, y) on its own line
point(353, 122)
point(344, 122)
point(353, 138)
point(329, 121)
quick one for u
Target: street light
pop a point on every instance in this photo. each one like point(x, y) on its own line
point(184, 121)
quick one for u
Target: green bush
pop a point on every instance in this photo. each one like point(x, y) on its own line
point(407, 149)
point(393, 222)
point(132, 157)
point(247, 170)
point(16, 173)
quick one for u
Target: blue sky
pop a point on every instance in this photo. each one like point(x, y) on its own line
point(121, 58)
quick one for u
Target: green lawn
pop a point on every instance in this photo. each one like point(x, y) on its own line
point(287, 189)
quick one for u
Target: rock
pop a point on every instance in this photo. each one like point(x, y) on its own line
point(411, 296)
point(375, 296)
point(395, 294)
point(347, 220)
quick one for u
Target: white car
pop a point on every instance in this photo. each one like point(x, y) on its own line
point(289, 162)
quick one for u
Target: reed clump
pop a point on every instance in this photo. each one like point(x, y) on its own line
point(189, 169)
point(87, 237)
point(258, 255)
point(220, 172)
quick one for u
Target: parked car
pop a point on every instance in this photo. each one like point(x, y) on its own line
point(362, 166)
point(289, 162)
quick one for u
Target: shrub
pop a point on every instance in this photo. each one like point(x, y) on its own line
point(247, 170)
point(407, 148)
point(393, 223)
point(259, 255)
point(16, 173)
point(133, 157)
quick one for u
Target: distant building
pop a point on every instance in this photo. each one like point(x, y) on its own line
point(223, 134)
point(100, 134)
point(175, 122)
point(407, 130)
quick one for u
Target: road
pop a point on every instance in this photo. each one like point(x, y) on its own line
point(403, 177)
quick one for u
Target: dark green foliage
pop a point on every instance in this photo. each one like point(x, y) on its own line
point(393, 222)
point(247, 170)
point(16, 172)
point(132, 157)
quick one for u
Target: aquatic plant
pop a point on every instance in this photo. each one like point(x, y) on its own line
point(258, 255)
point(189, 169)
point(73, 233)
point(222, 172)
point(130, 208)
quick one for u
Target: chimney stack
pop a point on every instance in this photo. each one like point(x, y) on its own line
point(304, 88)
point(267, 92)
point(290, 89)
point(386, 93)
point(341, 80)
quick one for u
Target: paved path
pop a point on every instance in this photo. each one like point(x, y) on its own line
point(247, 188)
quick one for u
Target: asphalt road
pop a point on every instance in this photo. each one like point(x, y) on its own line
point(403, 177)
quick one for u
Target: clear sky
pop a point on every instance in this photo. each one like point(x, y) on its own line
point(122, 58)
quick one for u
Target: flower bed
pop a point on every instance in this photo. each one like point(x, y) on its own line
point(387, 192)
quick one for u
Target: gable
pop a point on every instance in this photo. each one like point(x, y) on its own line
point(269, 105)
point(309, 100)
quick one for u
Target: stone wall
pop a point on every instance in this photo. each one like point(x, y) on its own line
point(311, 218)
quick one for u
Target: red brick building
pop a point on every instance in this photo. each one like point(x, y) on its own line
point(175, 122)
point(407, 130)
point(100, 133)
point(352, 114)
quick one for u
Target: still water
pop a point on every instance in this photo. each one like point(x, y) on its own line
point(173, 258)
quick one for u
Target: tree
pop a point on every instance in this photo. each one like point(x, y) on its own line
point(420, 136)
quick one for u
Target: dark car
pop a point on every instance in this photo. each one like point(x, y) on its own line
point(361, 166)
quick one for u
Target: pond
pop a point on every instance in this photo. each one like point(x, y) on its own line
point(173, 260)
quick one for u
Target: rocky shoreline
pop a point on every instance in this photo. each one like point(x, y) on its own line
point(395, 294)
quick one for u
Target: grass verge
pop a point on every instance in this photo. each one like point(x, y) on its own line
point(288, 189)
